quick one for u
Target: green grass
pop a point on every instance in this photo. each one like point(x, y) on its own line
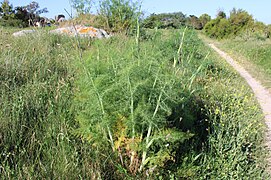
point(168, 108)
point(36, 95)
point(254, 55)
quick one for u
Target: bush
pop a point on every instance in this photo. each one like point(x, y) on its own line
point(13, 23)
point(221, 27)
point(165, 20)
point(119, 15)
point(204, 19)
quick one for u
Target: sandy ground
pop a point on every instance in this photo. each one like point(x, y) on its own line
point(262, 94)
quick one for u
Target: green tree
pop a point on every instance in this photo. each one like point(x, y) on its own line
point(82, 6)
point(194, 22)
point(218, 28)
point(7, 9)
point(221, 14)
point(34, 11)
point(165, 20)
point(7, 14)
point(204, 19)
point(210, 28)
point(21, 15)
point(223, 29)
point(240, 20)
point(152, 21)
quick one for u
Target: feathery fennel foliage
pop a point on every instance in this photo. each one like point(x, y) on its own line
point(152, 113)
point(161, 106)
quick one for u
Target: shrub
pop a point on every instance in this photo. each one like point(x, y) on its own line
point(119, 15)
point(12, 22)
point(165, 20)
point(204, 19)
point(221, 27)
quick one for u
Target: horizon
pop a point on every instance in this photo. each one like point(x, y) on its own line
point(259, 11)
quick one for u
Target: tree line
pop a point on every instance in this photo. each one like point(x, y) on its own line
point(126, 15)
point(20, 16)
point(239, 23)
point(175, 20)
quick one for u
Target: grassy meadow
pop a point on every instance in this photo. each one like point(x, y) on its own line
point(254, 55)
point(161, 105)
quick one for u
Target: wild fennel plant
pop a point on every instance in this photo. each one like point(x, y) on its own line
point(115, 113)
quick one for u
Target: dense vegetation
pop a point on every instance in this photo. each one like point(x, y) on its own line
point(175, 21)
point(158, 108)
point(20, 16)
point(239, 23)
point(155, 104)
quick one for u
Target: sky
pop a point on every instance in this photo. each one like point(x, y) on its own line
point(259, 9)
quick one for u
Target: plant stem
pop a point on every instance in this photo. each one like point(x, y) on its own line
point(144, 155)
point(180, 49)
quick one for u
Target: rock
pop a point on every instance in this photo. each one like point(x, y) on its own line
point(23, 32)
point(82, 31)
point(78, 30)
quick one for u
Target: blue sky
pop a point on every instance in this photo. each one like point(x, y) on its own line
point(259, 9)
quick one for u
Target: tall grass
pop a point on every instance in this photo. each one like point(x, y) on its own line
point(161, 108)
point(36, 95)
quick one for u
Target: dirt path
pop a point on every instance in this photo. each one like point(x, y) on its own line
point(262, 94)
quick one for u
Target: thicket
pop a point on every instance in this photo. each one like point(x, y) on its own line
point(175, 20)
point(165, 20)
point(166, 112)
point(239, 24)
point(119, 15)
point(112, 15)
point(125, 15)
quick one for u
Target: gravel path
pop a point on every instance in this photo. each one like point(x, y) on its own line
point(262, 94)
